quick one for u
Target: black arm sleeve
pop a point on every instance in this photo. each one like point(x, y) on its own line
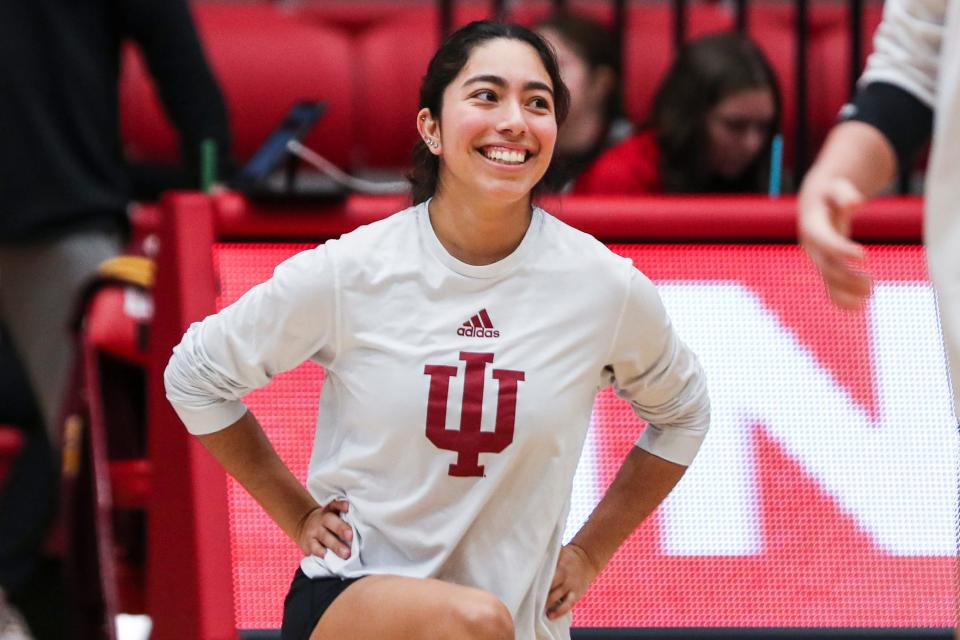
point(902, 118)
point(165, 32)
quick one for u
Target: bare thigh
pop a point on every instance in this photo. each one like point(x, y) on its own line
point(394, 607)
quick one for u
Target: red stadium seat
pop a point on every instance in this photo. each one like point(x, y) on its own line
point(111, 328)
point(265, 58)
point(356, 17)
point(648, 49)
point(387, 96)
point(10, 442)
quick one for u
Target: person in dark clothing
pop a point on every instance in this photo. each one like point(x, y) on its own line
point(63, 170)
point(64, 183)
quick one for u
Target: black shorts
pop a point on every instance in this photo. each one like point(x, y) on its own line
point(306, 601)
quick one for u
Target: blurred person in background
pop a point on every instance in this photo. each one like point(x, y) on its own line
point(710, 130)
point(64, 192)
point(589, 61)
point(909, 91)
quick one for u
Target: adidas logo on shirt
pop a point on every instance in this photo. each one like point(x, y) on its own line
point(479, 326)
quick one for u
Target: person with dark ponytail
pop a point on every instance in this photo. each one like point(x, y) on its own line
point(710, 130)
point(460, 379)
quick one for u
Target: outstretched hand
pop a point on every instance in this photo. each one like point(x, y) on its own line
point(571, 580)
point(825, 216)
point(324, 528)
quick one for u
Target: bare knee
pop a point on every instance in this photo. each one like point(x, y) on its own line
point(482, 616)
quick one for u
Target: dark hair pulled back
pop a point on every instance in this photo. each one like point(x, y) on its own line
point(447, 63)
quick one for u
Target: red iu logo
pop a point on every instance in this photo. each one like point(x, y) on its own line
point(469, 442)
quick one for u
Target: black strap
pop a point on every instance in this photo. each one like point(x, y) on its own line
point(898, 114)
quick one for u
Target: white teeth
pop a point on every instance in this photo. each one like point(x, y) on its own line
point(508, 156)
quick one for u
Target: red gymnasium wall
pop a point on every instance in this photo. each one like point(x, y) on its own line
point(825, 493)
point(367, 61)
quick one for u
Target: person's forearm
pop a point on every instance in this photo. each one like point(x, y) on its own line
point(247, 455)
point(642, 483)
point(857, 152)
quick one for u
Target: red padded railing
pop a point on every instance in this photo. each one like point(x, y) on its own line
point(609, 218)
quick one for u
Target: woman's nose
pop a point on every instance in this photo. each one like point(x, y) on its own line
point(754, 139)
point(511, 118)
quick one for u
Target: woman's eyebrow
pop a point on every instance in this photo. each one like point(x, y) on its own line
point(532, 85)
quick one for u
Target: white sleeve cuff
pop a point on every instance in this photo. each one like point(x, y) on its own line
point(211, 419)
point(674, 445)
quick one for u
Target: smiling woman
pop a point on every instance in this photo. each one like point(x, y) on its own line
point(417, 523)
point(493, 132)
point(444, 87)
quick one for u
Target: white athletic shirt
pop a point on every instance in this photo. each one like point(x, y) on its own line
point(457, 397)
point(917, 48)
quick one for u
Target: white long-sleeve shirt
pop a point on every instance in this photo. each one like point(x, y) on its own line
point(457, 397)
point(917, 48)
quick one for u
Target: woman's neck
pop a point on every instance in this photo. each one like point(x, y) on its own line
point(479, 233)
